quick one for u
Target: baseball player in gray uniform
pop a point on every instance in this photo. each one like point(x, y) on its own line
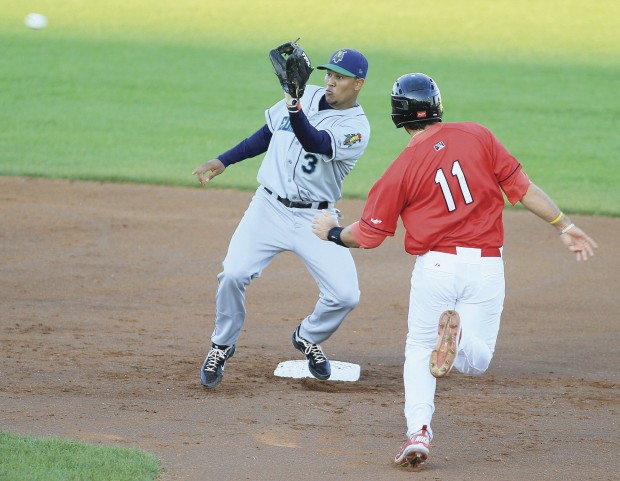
point(310, 144)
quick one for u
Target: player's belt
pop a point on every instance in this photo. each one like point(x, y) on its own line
point(299, 205)
point(485, 252)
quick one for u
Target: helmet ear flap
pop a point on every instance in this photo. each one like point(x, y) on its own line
point(415, 98)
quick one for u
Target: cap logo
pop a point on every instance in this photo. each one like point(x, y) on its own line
point(338, 56)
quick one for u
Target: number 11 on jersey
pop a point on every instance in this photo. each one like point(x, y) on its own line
point(457, 171)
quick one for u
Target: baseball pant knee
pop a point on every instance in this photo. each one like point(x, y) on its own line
point(235, 277)
point(345, 300)
point(474, 356)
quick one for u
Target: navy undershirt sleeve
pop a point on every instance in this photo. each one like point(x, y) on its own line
point(311, 139)
point(254, 145)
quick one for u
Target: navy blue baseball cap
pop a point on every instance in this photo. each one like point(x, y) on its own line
point(347, 62)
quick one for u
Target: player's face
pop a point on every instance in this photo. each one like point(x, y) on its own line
point(341, 91)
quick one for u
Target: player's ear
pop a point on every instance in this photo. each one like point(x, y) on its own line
point(358, 84)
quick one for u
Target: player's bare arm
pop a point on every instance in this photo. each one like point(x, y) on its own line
point(575, 239)
point(214, 166)
point(324, 222)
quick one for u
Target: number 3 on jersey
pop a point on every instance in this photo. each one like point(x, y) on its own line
point(311, 167)
point(457, 171)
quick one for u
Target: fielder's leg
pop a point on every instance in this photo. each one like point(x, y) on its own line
point(333, 269)
point(257, 239)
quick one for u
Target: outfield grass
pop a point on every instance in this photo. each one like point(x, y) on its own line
point(48, 459)
point(142, 92)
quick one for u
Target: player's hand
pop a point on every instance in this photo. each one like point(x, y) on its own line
point(322, 223)
point(215, 167)
point(580, 243)
point(291, 102)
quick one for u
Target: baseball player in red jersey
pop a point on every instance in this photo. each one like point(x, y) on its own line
point(448, 187)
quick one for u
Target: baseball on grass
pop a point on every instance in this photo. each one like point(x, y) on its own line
point(35, 21)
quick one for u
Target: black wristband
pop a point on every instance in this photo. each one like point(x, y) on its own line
point(334, 236)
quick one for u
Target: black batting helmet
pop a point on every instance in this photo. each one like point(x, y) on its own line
point(415, 99)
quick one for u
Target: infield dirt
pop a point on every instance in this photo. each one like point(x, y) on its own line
point(107, 309)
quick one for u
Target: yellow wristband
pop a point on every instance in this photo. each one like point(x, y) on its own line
point(557, 218)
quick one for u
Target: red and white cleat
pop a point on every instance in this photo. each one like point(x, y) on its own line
point(415, 450)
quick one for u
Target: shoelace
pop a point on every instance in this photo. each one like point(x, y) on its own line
point(315, 351)
point(214, 357)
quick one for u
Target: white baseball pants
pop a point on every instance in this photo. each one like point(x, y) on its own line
point(474, 287)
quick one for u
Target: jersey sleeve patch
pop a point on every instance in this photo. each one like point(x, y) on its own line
point(366, 238)
point(351, 139)
point(374, 226)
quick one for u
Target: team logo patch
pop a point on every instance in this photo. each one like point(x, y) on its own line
point(350, 139)
point(376, 221)
point(338, 56)
point(438, 146)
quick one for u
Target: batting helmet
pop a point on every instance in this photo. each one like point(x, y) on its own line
point(415, 99)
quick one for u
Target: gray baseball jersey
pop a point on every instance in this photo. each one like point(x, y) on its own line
point(291, 172)
point(268, 227)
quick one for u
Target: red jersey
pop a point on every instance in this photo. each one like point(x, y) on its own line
point(447, 187)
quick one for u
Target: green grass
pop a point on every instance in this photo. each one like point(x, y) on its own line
point(46, 459)
point(143, 92)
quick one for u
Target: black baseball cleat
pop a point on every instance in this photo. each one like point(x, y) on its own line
point(212, 370)
point(317, 361)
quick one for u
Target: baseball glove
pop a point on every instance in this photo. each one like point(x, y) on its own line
point(292, 67)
